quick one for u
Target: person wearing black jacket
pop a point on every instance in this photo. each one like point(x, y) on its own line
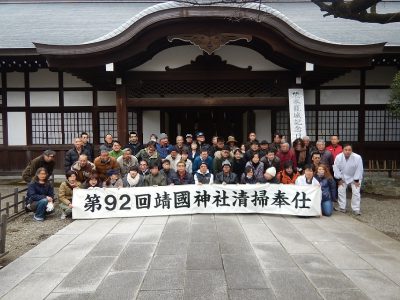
point(134, 143)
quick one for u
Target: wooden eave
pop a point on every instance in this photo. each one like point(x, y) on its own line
point(137, 38)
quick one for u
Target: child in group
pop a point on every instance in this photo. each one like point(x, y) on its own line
point(289, 173)
point(92, 182)
point(328, 187)
point(133, 178)
point(113, 180)
point(248, 176)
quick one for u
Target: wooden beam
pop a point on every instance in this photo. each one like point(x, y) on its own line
point(209, 102)
point(122, 114)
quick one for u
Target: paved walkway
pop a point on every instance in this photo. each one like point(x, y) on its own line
point(209, 257)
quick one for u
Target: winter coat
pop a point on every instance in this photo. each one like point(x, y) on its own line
point(206, 178)
point(187, 178)
point(103, 167)
point(246, 180)
point(286, 179)
point(159, 179)
point(258, 170)
point(154, 159)
point(328, 188)
point(140, 182)
point(238, 166)
point(125, 165)
point(65, 192)
point(170, 175)
point(197, 162)
point(217, 164)
point(38, 191)
point(82, 173)
point(286, 156)
point(72, 156)
point(34, 164)
point(230, 178)
point(134, 147)
point(276, 163)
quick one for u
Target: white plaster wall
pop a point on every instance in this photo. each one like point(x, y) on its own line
point(73, 81)
point(380, 76)
point(15, 99)
point(182, 55)
point(309, 97)
point(334, 97)
point(349, 79)
point(172, 57)
point(16, 128)
point(43, 78)
point(44, 99)
point(263, 124)
point(82, 98)
point(106, 98)
point(151, 124)
point(15, 80)
point(377, 96)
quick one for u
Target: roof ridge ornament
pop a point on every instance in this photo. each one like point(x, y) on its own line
point(210, 42)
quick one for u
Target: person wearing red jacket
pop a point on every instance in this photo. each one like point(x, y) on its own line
point(334, 147)
point(285, 154)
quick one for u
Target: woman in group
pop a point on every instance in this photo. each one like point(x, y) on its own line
point(238, 163)
point(308, 177)
point(328, 187)
point(133, 178)
point(113, 180)
point(248, 176)
point(92, 182)
point(301, 154)
point(289, 173)
point(194, 151)
point(257, 165)
point(40, 195)
point(65, 193)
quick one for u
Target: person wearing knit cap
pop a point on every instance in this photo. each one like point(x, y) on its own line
point(226, 176)
point(270, 176)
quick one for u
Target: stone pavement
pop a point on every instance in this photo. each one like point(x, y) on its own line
point(209, 257)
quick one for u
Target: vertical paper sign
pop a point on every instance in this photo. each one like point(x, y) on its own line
point(297, 114)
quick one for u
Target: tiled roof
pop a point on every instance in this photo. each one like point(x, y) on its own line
point(66, 23)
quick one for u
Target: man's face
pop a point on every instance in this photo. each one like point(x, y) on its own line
point(220, 144)
point(201, 138)
point(151, 150)
point(78, 143)
point(254, 147)
point(252, 136)
point(174, 154)
point(179, 140)
point(104, 156)
point(166, 166)
point(154, 171)
point(264, 146)
point(164, 141)
point(284, 148)
point(143, 166)
point(306, 142)
point(204, 155)
point(180, 167)
point(85, 138)
point(316, 159)
point(126, 155)
point(108, 138)
point(334, 140)
point(203, 168)
point(271, 156)
point(214, 140)
point(238, 155)
point(82, 161)
point(347, 151)
point(225, 153)
point(48, 158)
point(116, 147)
point(226, 168)
point(133, 138)
point(320, 146)
point(308, 173)
point(189, 140)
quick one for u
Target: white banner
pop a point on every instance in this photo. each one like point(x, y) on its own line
point(297, 114)
point(193, 199)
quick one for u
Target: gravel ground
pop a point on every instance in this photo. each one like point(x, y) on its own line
point(24, 233)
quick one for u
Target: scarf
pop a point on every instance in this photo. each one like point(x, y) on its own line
point(132, 181)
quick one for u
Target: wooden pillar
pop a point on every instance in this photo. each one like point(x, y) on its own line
point(122, 115)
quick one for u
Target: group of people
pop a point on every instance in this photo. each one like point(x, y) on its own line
point(193, 161)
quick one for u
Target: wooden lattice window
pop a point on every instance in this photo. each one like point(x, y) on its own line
point(46, 128)
point(311, 129)
point(132, 121)
point(344, 123)
point(107, 124)
point(75, 123)
point(282, 122)
point(380, 126)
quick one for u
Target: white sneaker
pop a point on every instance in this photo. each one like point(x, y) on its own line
point(63, 216)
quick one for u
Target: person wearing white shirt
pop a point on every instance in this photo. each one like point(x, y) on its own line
point(348, 170)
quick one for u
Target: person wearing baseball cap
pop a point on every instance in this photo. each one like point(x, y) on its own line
point(189, 139)
point(201, 141)
point(202, 175)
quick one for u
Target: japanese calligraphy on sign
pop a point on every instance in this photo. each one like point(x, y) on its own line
point(297, 114)
point(191, 199)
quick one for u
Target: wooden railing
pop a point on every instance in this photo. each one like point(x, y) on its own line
point(17, 205)
point(389, 166)
point(3, 230)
